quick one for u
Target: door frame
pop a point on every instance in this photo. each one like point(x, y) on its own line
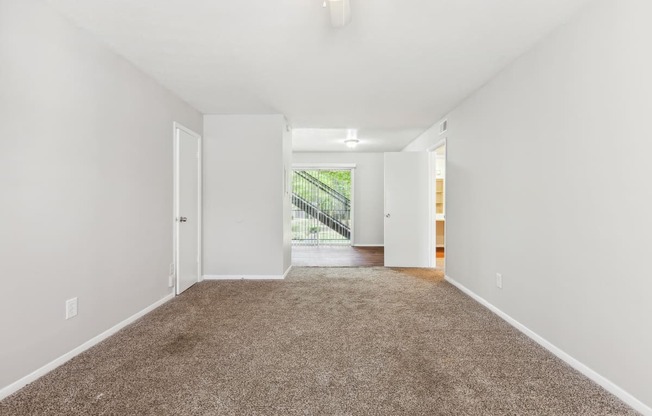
point(334, 166)
point(432, 180)
point(175, 206)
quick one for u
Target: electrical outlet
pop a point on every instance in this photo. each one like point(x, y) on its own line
point(71, 308)
point(171, 273)
point(499, 280)
point(170, 281)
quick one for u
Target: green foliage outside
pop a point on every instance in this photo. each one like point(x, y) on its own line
point(338, 180)
point(307, 228)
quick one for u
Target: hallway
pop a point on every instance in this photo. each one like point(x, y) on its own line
point(337, 256)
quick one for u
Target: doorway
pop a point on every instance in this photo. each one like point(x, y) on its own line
point(187, 207)
point(323, 217)
point(438, 206)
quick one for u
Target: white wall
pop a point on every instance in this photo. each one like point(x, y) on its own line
point(245, 208)
point(549, 183)
point(426, 140)
point(86, 168)
point(369, 191)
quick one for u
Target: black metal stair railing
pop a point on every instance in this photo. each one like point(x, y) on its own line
point(324, 187)
point(324, 218)
point(321, 211)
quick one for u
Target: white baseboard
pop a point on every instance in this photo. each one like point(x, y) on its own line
point(247, 276)
point(287, 272)
point(369, 245)
point(579, 366)
point(241, 277)
point(33, 376)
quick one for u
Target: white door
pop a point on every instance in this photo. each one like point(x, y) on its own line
point(407, 209)
point(187, 207)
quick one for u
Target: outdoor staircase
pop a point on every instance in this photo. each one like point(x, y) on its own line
point(327, 219)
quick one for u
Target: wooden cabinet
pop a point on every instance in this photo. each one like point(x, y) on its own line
point(439, 194)
point(439, 211)
point(440, 230)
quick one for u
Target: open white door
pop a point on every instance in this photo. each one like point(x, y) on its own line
point(407, 210)
point(187, 212)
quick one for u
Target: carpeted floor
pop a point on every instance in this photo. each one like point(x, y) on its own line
point(348, 341)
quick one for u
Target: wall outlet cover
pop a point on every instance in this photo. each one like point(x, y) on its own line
point(499, 280)
point(71, 308)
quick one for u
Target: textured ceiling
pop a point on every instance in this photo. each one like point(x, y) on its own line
point(393, 71)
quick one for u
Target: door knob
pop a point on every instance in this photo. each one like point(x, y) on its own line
point(183, 219)
point(388, 215)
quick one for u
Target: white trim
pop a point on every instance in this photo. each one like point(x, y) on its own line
point(175, 214)
point(246, 277)
point(200, 207)
point(243, 277)
point(573, 362)
point(369, 245)
point(352, 214)
point(323, 166)
point(287, 272)
point(33, 376)
point(437, 145)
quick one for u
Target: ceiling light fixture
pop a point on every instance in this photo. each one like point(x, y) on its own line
point(351, 143)
point(340, 12)
point(351, 139)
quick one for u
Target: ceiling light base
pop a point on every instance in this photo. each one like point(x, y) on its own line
point(340, 12)
point(351, 143)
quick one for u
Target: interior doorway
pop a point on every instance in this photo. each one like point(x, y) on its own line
point(323, 209)
point(438, 205)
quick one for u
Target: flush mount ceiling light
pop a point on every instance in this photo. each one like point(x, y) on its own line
point(351, 143)
point(351, 139)
point(340, 12)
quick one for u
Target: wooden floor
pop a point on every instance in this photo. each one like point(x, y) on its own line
point(440, 258)
point(337, 256)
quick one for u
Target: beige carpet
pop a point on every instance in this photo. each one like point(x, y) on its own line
point(348, 341)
